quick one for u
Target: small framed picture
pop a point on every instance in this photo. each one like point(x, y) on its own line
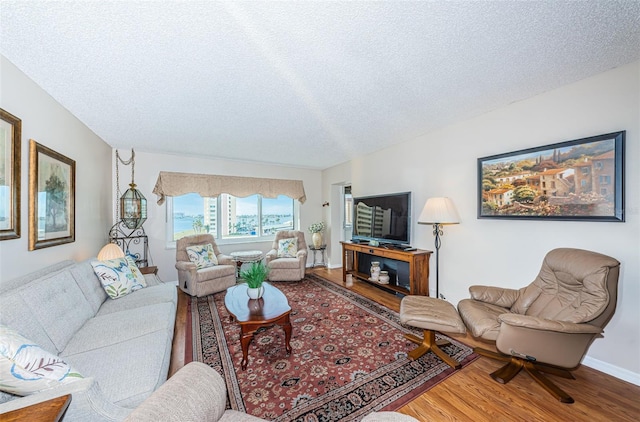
point(10, 136)
point(52, 189)
point(581, 180)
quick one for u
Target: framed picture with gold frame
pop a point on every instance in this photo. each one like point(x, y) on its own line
point(10, 136)
point(52, 190)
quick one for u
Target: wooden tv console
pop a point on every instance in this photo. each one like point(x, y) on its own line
point(412, 275)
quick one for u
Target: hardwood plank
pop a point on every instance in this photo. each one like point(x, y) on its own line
point(179, 333)
point(471, 394)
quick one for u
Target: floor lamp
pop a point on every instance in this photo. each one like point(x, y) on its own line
point(438, 212)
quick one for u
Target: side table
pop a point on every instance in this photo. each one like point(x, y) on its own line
point(149, 270)
point(245, 256)
point(47, 411)
point(315, 250)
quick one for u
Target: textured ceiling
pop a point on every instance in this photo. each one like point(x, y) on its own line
point(309, 84)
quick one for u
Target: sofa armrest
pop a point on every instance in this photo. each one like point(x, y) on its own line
point(498, 296)
point(195, 393)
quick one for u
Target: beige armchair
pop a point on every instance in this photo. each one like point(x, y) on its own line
point(204, 281)
point(549, 325)
point(284, 268)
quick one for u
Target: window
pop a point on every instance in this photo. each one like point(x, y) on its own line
point(229, 218)
point(605, 180)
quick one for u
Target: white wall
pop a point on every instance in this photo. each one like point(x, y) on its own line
point(333, 181)
point(149, 165)
point(509, 253)
point(50, 124)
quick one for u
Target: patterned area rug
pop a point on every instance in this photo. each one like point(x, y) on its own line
point(349, 356)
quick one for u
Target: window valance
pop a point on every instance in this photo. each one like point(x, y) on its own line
point(211, 185)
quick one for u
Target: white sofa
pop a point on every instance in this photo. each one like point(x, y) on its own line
point(122, 347)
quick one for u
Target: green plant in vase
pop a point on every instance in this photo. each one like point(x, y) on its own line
point(254, 277)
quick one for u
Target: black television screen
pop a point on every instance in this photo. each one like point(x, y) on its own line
point(385, 218)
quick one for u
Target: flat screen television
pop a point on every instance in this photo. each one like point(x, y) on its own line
point(385, 218)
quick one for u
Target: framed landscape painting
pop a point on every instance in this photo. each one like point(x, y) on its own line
point(10, 136)
point(52, 185)
point(581, 180)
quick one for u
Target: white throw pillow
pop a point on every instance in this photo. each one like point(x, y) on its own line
point(287, 248)
point(119, 276)
point(26, 368)
point(202, 255)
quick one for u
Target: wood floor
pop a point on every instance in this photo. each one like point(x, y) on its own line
point(471, 395)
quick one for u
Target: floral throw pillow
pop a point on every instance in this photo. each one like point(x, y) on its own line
point(287, 248)
point(202, 255)
point(119, 276)
point(25, 368)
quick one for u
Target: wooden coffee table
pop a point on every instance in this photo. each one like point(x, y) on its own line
point(272, 308)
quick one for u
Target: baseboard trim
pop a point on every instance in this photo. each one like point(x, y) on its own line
point(614, 371)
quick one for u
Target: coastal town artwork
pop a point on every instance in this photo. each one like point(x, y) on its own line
point(574, 180)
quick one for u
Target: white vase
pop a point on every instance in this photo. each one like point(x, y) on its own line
point(375, 270)
point(255, 293)
point(316, 238)
point(383, 278)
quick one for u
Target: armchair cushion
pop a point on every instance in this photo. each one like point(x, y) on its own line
point(202, 255)
point(287, 248)
point(481, 318)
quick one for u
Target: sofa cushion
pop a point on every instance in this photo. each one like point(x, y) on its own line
point(25, 368)
point(117, 327)
point(59, 306)
point(89, 284)
point(142, 366)
point(202, 255)
point(287, 248)
point(162, 293)
point(119, 276)
point(15, 313)
point(48, 271)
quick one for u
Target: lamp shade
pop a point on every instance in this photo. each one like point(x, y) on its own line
point(110, 251)
point(439, 211)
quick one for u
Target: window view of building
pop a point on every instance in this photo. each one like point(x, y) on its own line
point(229, 217)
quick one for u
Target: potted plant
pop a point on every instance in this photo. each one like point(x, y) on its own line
point(254, 277)
point(316, 230)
